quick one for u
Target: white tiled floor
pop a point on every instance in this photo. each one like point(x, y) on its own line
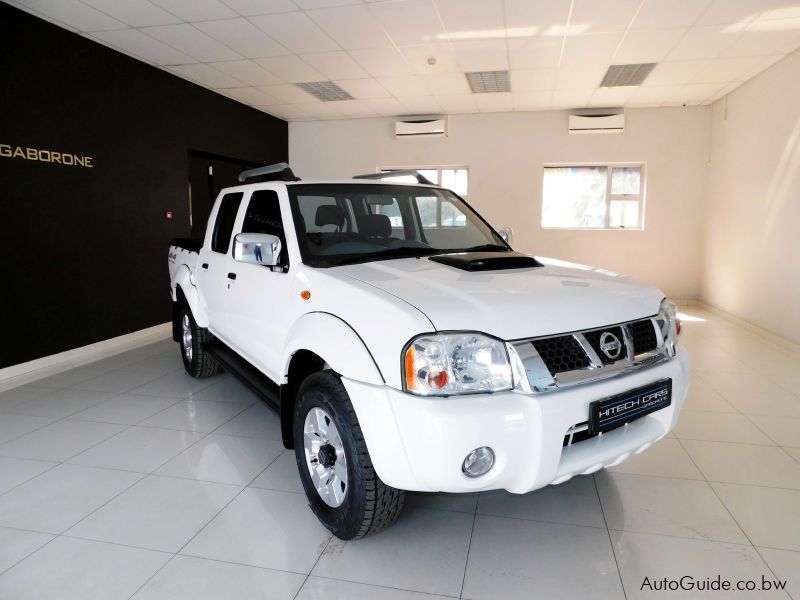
point(127, 479)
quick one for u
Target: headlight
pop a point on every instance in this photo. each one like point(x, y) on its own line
point(456, 363)
point(669, 323)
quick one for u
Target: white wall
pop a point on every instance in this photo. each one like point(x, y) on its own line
point(505, 153)
point(752, 241)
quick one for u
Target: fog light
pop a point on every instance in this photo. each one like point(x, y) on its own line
point(478, 462)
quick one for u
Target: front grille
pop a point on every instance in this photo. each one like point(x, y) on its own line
point(561, 354)
point(643, 334)
point(594, 337)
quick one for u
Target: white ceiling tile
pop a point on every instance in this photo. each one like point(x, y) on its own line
point(652, 96)
point(143, 46)
point(287, 111)
point(408, 85)
point(287, 94)
point(703, 42)
point(545, 17)
point(192, 41)
point(481, 55)
point(534, 52)
point(352, 27)
point(206, 76)
point(663, 14)
point(602, 16)
point(136, 13)
point(75, 14)
point(726, 12)
point(580, 78)
point(764, 38)
point(249, 8)
point(243, 37)
point(295, 31)
point(533, 80)
point(498, 102)
point(570, 98)
point(789, 9)
point(250, 95)
point(291, 68)
point(197, 10)
point(594, 48)
point(471, 19)
point(694, 93)
point(384, 106)
point(409, 22)
point(458, 103)
point(608, 97)
point(335, 65)
point(766, 63)
point(346, 108)
point(725, 70)
point(645, 46)
point(445, 84)
point(248, 71)
point(417, 57)
point(363, 88)
point(725, 90)
point(420, 105)
point(531, 100)
point(382, 62)
point(312, 4)
point(675, 73)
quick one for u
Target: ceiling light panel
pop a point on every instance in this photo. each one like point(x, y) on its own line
point(625, 75)
point(489, 82)
point(327, 91)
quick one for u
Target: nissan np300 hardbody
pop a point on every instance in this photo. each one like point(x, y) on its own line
point(406, 346)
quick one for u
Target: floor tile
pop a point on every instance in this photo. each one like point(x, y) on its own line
point(60, 497)
point(742, 383)
point(795, 452)
point(16, 544)
point(195, 415)
point(466, 503)
point(117, 382)
point(159, 364)
point(644, 559)
point(677, 507)
point(228, 390)
point(320, 588)
point(60, 440)
point(774, 405)
point(14, 471)
point(425, 551)
point(665, 458)
point(22, 393)
point(785, 431)
point(200, 579)
point(60, 403)
point(141, 449)
point(159, 513)
point(511, 558)
point(224, 459)
point(258, 421)
point(177, 384)
point(574, 502)
point(741, 463)
point(263, 528)
point(281, 475)
point(126, 409)
point(786, 566)
point(769, 516)
point(71, 377)
point(81, 570)
point(14, 426)
point(719, 427)
point(702, 396)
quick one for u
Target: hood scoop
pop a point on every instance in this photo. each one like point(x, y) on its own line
point(487, 261)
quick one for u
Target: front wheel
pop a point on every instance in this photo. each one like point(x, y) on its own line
point(197, 362)
point(343, 490)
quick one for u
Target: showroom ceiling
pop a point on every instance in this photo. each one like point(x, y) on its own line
point(400, 57)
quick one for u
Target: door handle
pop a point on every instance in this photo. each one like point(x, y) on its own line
point(204, 265)
point(231, 275)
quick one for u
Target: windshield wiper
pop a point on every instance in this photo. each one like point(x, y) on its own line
point(486, 248)
point(402, 252)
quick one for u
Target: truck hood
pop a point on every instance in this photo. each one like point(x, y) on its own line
point(557, 297)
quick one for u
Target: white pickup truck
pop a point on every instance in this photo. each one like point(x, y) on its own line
point(406, 346)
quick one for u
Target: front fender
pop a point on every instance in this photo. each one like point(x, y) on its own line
point(335, 342)
point(183, 281)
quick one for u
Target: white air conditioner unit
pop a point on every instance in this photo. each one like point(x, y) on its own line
point(420, 127)
point(598, 122)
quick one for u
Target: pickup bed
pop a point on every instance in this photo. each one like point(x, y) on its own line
point(408, 351)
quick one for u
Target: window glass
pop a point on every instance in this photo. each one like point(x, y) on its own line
point(574, 197)
point(428, 207)
point(456, 180)
point(223, 228)
point(308, 209)
point(264, 214)
point(386, 206)
point(451, 216)
point(626, 181)
point(624, 213)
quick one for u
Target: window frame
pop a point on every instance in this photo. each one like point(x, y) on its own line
point(640, 197)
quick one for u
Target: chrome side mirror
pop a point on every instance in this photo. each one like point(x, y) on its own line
point(257, 248)
point(507, 234)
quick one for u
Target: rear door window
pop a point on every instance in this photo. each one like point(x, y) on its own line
point(223, 228)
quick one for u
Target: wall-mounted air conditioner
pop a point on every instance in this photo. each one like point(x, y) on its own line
point(601, 121)
point(411, 127)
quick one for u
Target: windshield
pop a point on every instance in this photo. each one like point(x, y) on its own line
point(346, 223)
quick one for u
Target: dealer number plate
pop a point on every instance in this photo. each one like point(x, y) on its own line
point(610, 413)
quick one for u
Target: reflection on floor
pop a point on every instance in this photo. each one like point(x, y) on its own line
point(126, 478)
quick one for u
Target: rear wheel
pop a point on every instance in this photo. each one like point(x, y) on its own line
point(197, 362)
point(340, 482)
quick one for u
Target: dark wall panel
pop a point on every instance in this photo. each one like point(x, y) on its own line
point(83, 251)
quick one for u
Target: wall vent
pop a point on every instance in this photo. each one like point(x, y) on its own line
point(489, 82)
point(326, 91)
point(624, 75)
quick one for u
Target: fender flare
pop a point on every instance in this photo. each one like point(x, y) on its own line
point(183, 281)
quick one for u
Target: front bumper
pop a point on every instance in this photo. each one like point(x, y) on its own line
point(419, 443)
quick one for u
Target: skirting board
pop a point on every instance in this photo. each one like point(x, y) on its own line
point(56, 363)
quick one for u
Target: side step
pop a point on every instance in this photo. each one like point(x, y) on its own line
point(269, 391)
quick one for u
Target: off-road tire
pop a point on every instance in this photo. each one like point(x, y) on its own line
point(369, 505)
point(201, 363)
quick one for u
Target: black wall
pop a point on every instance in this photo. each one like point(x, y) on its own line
point(83, 252)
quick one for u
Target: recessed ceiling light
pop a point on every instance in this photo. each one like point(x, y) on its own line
point(326, 91)
point(623, 75)
point(489, 82)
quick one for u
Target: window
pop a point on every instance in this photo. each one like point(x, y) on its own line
point(593, 197)
point(435, 212)
point(264, 215)
point(223, 228)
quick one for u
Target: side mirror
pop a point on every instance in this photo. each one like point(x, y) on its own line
point(507, 234)
point(257, 248)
